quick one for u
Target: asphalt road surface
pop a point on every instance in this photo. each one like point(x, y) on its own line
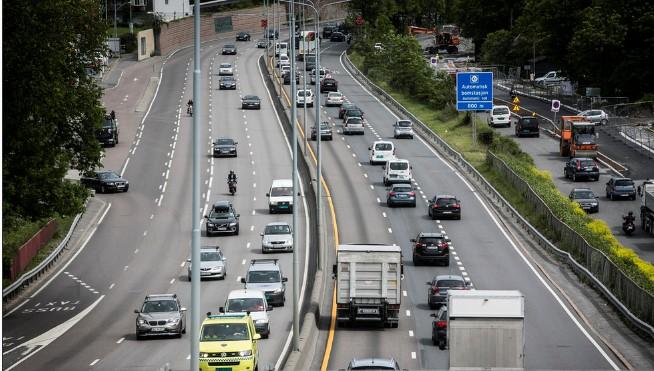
point(481, 249)
point(545, 152)
point(142, 244)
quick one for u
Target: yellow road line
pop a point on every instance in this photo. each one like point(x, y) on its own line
point(328, 194)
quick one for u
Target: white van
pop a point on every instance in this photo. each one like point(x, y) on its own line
point(281, 48)
point(283, 61)
point(304, 97)
point(252, 302)
point(381, 151)
point(397, 171)
point(280, 196)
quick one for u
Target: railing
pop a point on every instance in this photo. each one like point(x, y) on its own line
point(25, 280)
point(594, 261)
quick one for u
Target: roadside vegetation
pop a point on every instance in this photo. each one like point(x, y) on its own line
point(401, 70)
point(51, 112)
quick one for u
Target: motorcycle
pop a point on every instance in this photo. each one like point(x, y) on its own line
point(189, 110)
point(628, 227)
point(232, 186)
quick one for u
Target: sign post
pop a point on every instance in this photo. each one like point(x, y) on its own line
point(556, 106)
point(474, 92)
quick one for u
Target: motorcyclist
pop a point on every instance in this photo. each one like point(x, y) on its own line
point(112, 114)
point(629, 218)
point(189, 106)
point(231, 177)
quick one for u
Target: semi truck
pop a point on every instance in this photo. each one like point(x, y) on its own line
point(368, 284)
point(647, 207)
point(577, 137)
point(308, 41)
point(485, 329)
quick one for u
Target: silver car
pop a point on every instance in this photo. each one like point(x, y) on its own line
point(266, 275)
point(334, 98)
point(160, 314)
point(276, 236)
point(212, 263)
point(596, 116)
point(403, 129)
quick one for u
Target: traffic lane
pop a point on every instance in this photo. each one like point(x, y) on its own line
point(639, 164)
point(545, 152)
point(423, 160)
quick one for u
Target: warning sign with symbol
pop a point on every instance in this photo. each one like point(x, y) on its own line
point(516, 100)
point(516, 108)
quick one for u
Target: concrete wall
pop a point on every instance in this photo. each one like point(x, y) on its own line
point(145, 42)
point(179, 33)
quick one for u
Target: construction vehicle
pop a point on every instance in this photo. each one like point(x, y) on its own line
point(368, 284)
point(442, 40)
point(646, 191)
point(577, 137)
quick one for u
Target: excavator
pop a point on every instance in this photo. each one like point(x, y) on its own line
point(577, 137)
point(442, 40)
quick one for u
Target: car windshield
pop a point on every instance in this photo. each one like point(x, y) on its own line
point(324, 125)
point(107, 124)
point(263, 277)
point(281, 191)
point(334, 95)
point(399, 165)
point(225, 332)
point(529, 122)
point(224, 142)
point(383, 147)
point(227, 78)
point(431, 241)
point(445, 201)
point(229, 46)
point(159, 306)
point(211, 256)
point(450, 283)
point(277, 229)
point(354, 121)
point(108, 175)
point(501, 111)
point(221, 212)
point(354, 112)
point(624, 183)
point(404, 124)
point(250, 97)
point(225, 65)
point(402, 189)
point(245, 305)
point(583, 194)
point(301, 93)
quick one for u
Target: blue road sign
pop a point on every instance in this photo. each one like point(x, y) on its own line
point(474, 91)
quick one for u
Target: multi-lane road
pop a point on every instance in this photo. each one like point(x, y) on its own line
point(141, 245)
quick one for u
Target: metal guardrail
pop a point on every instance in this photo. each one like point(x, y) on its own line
point(26, 279)
point(444, 148)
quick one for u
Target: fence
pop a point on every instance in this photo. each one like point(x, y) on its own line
point(30, 248)
point(633, 302)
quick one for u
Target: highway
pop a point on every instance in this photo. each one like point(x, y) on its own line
point(545, 152)
point(482, 250)
point(141, 245)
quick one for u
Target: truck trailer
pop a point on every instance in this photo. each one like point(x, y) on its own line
point(368, 284)
point(485, 329)
point(647, 207)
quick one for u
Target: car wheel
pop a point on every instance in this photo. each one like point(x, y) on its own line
point(611, 196)
point(431, 305)
point(416, 261)
point(389, 203)
point(604, 121)
point(538, 135)
point(441, 344)
point(633, 197)
point(574, 177)
point(394, 325)
point(447, 263)
point(236, 232)
point(414, 205)
point(139, 336)
point(126, 189)
point(433, 216)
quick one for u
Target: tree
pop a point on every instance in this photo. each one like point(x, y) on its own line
point(51, 106)
point(497, 47)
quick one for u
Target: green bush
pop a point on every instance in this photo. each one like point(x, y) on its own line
point(485, 135)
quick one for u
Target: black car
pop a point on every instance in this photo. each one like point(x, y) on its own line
point(440, 285)
point(222, 219)
point(401, 194)
point(108, 133)
point(224, 147)
point(327, 31)
point(243, 36)
point(227, 82)
point(105, 181)
point(287, 78)
point(585, 198)
point(352, 112)
point(527, 126)
point(251, 102)
point(272, 34)
point(325, 131)
point(328, 84)
point(441, 206)
point(439, 328)
point(579, 168)
point(337, 37)
point(344, 107)
point(262, 43)
point(310, 63)
point(229, 49)
point(431, 247)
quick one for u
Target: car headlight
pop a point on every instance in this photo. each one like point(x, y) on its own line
point(593, 204)
point(245, 353)
point(209, 224)
point(204, 355)
point(110, 183)
point(261, 321)
point(277, 291)
point(232, 224)
point(173, 320)
point(142, 321)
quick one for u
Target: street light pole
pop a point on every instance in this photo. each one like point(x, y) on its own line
point(303, 40)
point(115, 22)
point(195, 201)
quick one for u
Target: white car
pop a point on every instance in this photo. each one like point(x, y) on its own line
point(283, 60)
point(212, 263)
point(334, 98)
point(397, 171)
point(285, 69)
point(353, 125)
point(596, 116)
point(304, 97)
point(225, 69)
point(277, 236)
point(550, 78)
point(403, 128)
point(499, 116)
point(280, 196)
point(381, 151)
point(252, 302)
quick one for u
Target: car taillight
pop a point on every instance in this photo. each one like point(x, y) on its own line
point(456, 206)
point(578, 165)
point(435, 206)
point(392, 193)
point(443, 245)
point(435, 290)
point(419, 245)
point(441, 324)
point(412, 193)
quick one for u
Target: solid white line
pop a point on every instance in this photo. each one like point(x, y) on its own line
point(74, 256)
point(94, 362)
point(120, 340)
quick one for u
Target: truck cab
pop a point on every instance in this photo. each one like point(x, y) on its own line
point(577, 137)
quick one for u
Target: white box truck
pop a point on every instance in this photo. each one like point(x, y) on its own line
point(368, 284)
point(307, 43)
point(646, 191)
point(485, 329)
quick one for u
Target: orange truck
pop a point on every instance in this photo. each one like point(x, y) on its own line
point(578, 137)
point(444, 40)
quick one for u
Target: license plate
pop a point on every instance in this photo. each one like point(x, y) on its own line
point(222, 228)
point(379, 156)
point(368, 311)
point(589, 169)
point(447, 212)
point(283, 206)
point(404, 196)
point(158, 329)
point(223, 369)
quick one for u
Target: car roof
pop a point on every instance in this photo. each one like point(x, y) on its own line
point(431, 234)
point(383, 141)
point(445, 196)
point(501, 106)
point(226, 318)
point(210, 248)
point(245, 293)
point(581, 189)
point(277, 223)
point(448, 277)
point(620, 178)
point(582, 158)
point(398, 160)
point(400, 185)
point(160, 296)
point(361, 362)
point(264, 265)
point(222, 204)
point(250, 96)
point(282, 183)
